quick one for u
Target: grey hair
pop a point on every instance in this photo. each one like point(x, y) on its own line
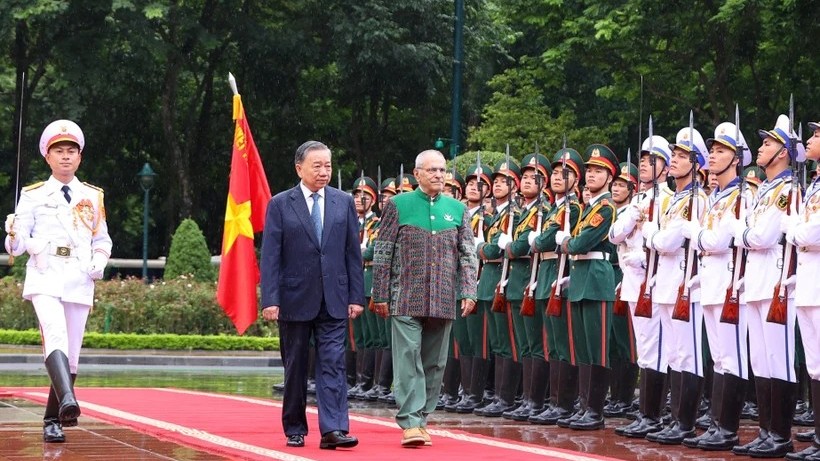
point(423, 156)
point(308, 146)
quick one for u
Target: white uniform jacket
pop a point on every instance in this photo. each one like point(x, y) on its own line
point(714, 243)
point(61, 238)
point(668, 242)
point(805, 235)
point(762, 238)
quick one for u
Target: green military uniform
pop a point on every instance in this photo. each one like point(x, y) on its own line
point(622, 352)
point(563, 375)
point(476, 359)
point(528, 328)
point(363, 330)
point(591, 293)
point(502, 344)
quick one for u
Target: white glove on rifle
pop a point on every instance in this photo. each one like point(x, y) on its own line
point(504, 240)
point(532, 236)
point(9, 223)
point(560, 236)
point(649, 229)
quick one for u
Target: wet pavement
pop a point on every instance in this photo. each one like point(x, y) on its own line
point(21, 437)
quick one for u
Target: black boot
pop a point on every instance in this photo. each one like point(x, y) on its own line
point(807, 417)
point(674, 380)
point(71, 422)
point(52, 429)
point(498, 379)
point(58, 371)
point(552, 405)
point(511, 379)
point(449, 383)
point(539, 386)
point(784, 394)
point(687, 401)
point(584, 372)
point(593, 417)
point(478, 381)
point(652, 400)
point(564, 381)
point(465, 370)
point(627, 389)
point(813, 451)
point(709, 421)
point(351, 362)
point(522, 412)
point(386, 380)
point(763, 391)
point(724, 436)
point(365, 370)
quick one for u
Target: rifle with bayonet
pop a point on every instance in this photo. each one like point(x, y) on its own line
point(621, 307)
point(500, 298)
point(779, 307)
point(528, 303)
point(683, 305)
point(555, 302)
point(731, 304)
point(643, 308)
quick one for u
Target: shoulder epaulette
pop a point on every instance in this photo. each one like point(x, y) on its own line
point(33, 186)
point(93, 187)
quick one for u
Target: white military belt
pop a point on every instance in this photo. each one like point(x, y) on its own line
point(591, 255)
point(715, 253)
point(61, 251)
point(548, 255)
point(809, 249)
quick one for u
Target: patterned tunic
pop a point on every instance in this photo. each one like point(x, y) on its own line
point(424, 256)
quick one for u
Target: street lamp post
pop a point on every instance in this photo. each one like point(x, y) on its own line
point(146, 177)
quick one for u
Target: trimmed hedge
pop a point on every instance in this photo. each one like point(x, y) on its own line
point(126, 341)
point(182, 306)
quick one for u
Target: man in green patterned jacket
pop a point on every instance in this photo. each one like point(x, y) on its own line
point(424, 262)
point(592, 289)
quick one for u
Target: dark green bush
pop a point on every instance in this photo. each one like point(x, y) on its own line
point(181, 306)
point(189, 254)
point(126, 341)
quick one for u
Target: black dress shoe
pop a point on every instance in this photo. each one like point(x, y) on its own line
point(337, 439)
point(52, 431)
point(297, 440)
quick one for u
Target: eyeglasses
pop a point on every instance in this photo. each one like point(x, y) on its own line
point(435, 170)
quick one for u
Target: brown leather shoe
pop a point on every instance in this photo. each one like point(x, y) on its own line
point(428, 442)
point(412, 438)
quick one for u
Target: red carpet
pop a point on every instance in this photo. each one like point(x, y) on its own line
point(250, 428)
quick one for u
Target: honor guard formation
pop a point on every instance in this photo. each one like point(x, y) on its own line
point(685, 271)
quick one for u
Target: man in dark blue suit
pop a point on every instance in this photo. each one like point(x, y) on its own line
point(312, 281)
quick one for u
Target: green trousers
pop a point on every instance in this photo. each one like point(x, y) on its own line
point(460, 338)
point(591, 325)
point(477, 330)
point(419, 356)
point(556, 329)
point(520, 341)
point(622, 340)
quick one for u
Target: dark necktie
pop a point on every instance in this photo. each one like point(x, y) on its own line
point(65, 190)
point(316, 215)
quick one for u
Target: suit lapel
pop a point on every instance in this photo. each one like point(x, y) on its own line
point(297, 202)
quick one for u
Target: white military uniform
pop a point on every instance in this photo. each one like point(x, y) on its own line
point(684, 345)
point(727, 342)
point(772, 350)
point(805, 235)
point(62, 238)
point(625, 233)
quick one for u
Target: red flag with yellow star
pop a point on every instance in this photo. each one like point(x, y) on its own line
point(248, 197)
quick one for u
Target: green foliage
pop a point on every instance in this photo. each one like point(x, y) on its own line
point(18, 270)
point(189, 254)
point(180, 306)
point(128, 341)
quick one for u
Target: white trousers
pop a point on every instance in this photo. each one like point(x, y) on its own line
point(62, 326)
point(808, 317)
point(727, 342)
point(648, 340)
point(771, 346)
point(683, 344)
